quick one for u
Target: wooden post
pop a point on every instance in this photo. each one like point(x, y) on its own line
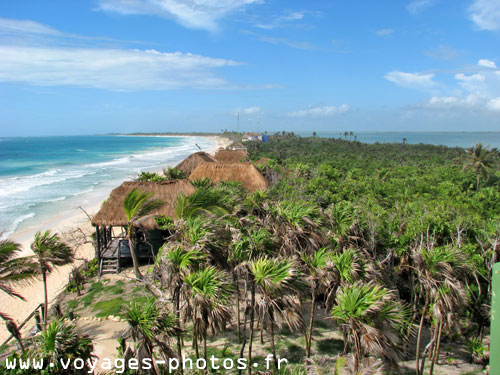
point(98, 244)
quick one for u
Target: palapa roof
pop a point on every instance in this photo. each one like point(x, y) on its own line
point(193, 160)
point(112, 212)
point(230, 156)
point(245, 173)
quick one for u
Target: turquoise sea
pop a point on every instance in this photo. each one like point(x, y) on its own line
point(44, 176)
point(450, 139)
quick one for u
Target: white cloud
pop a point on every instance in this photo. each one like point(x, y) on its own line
point(494, 104)
point(411, 80)
point(112, 69)
point(25, 26)
point(477, 77)
point(485, 14)
point(286, 18)
point(247, 111)
point(290, 43)
point(384, 32)
point(417, 6)
point(487, 63)
point(320, 111)
point(450, 102)
point(196, 14)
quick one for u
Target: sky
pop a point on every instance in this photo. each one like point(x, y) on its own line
point(105, 66)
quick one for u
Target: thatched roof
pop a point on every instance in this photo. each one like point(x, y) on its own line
point(192, 161)
point(245, 173)
point(112, 212)
point(230, 156)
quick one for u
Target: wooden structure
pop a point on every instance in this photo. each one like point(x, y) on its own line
point(237, 146)
point(111, 243)
point(192, 161)
point(231, 156)
point(245, 173)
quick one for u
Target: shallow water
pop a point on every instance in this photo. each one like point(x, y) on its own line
point(42, 176)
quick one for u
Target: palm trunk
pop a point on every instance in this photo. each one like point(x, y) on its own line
point(205, 349)
point(195, 344)
point(242, 350)
point(252, 318)
point(238, 320)
point(311, 323)
point(272, 345)
point(133, 252)
point(46, 298)
point(357, 351)
point(179, 336)
point(477, 183)
point(419, 338)
point(436, 350)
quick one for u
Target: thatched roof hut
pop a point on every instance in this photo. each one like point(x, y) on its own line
point(113, 214)
point(192, 161)
point(231, 156)
point(245, 173)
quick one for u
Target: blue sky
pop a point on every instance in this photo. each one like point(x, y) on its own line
point(99, 66)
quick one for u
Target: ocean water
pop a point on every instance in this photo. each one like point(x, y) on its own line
point(450, 139)
point(44, 176)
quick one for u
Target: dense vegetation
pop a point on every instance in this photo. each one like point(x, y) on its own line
point(389, 244)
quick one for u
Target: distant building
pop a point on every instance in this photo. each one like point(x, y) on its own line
point(249, 136)
point(236, 146)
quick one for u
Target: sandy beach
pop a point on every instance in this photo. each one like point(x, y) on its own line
point(65, 224)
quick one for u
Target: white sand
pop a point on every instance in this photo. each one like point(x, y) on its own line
point(61, 224)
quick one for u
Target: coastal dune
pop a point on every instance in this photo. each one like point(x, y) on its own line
point(73, 222)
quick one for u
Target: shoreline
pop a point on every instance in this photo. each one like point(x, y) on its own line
point(63, 224)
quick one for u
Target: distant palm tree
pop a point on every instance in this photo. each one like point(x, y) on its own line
point(481, 160)
point(136, 205)
point(374, 320)
point(50, 251)
point(14, 269)
point(279, 283)
point(60, 341)
point(151, 327)
point(208, 293)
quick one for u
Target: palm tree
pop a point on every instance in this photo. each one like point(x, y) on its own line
point(208, 292)
point(14, 270)
point(298, 225)
point(374, 320)
point(60, 341)
point(151, 327)
point(318, 279)
point(279, 282)
point(441, 275)
point(136, 205)
point(173, 265)
point(204, 200)
point(481, 161)
point(50, 251)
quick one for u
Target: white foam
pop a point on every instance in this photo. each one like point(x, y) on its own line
point(15, 224)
